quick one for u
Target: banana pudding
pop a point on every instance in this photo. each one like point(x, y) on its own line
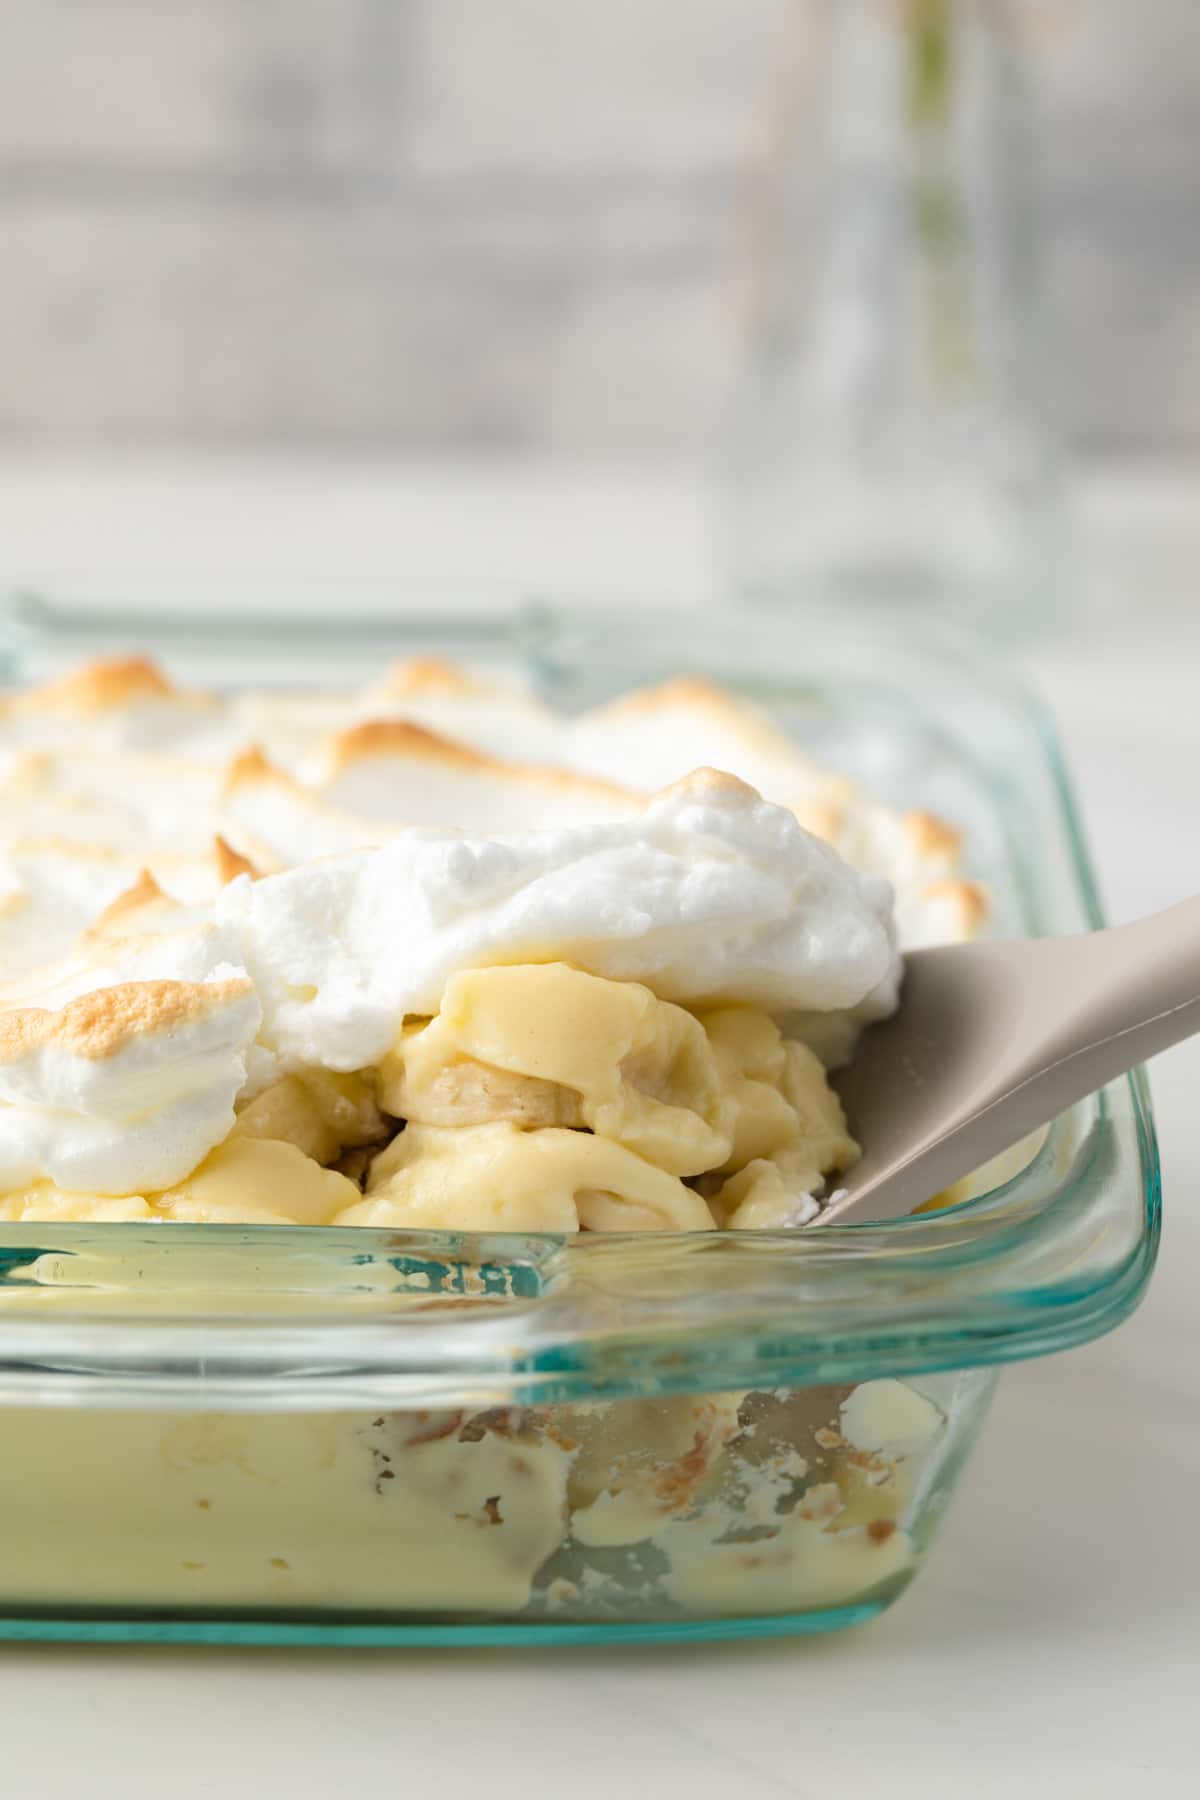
point(428, 959)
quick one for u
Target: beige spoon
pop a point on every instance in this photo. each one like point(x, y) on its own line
point(992, 1040)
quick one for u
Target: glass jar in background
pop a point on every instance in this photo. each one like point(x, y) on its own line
point(891, 435)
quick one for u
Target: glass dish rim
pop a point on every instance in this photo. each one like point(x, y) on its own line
point(78, 1356)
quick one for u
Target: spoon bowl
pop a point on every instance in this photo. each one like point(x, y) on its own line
point(992, 1040)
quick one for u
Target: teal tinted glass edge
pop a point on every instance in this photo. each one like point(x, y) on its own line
point(265, 1634)
point(1137, 1081)
point(1069, 1317)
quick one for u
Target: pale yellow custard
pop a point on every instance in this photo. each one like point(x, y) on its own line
point(709, 1504)
point(539, 1098)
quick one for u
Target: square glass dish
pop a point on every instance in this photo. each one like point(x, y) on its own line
point(277, 1434)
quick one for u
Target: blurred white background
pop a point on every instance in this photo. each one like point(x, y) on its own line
point(444, 223)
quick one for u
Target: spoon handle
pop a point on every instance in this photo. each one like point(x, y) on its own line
point(1113, 998)
point(994, 1039)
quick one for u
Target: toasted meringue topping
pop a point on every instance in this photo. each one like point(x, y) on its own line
point(95, 688)
point(425, 677)
point(285, 726)
point(397, 773)
point(653, 734)
point(124, 702)
point(122, 1090)
point(101, 1024)
point(486, 715)
point(131, 906)
point(277, 822)
point(653, 737)
point(710, 894)
point(129, 799)
point(490, 759)
point(220, 965)
point(52, 892)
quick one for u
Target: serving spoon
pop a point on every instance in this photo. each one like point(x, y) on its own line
point(992, 1040)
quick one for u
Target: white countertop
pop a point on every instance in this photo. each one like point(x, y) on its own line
point(1052, 1646)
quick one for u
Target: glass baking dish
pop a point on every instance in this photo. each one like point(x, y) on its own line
point(272, 1434)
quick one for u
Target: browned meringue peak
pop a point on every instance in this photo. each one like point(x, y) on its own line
point(285, 724)
point(950, 911)
point(99, 1024)
point(278, 822)
point(230, 863)
point(654, 735)
point(391, 771)
point(147, 905)
point(54, 891)
point(920, 855)
point(113, 701)
point(133, 909)
point(423, 675)
point(488, 715)
point(112, 1050)
point(121, 1049)
point(95, 687)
